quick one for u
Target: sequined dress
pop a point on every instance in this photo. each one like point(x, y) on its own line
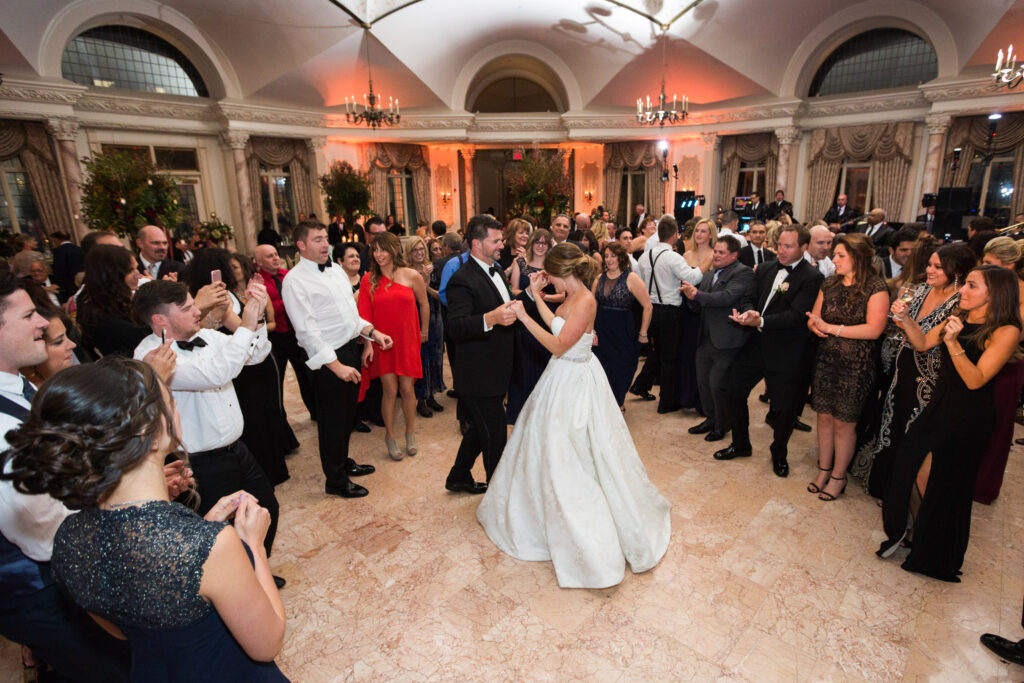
point(140, 568)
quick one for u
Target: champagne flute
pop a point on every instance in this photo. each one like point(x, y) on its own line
point(906, 294)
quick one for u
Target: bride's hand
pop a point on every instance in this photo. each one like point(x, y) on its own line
point(517, 308)
point(538, 281)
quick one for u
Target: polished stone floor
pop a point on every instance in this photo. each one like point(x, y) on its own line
point(761, 582)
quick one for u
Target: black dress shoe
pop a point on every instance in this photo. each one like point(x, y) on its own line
point(763, 398)
point(714, 435)
point(801, 426)
point(645, 395)
point(434, 405)
point(662, 410)
point(732, 452)
point(279, 582)
point(463, 427)
point(422, 410)
point(356, 470)
point(348, 490)
point(702, 428)
point(780, 467)
point(451, 393)
point(1019, 442)
point(362, 427)
point(1006, 649)
point(470, 486)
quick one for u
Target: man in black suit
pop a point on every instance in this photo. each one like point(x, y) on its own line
point(67, 262)
point(776, 306)
point(481, 316)
point(582, 223)
point(638, 218)
point(779, 206)
point(756, 210)
point(335, 230)
point(755, 253)
point(720, 339)
point(841, 216)
point(928, 219)
point(153, 261)
point(874, 226)
point(899, 253)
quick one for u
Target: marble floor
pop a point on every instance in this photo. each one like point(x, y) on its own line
point(761, 582)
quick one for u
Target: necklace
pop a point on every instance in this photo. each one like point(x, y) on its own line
point(129, 503)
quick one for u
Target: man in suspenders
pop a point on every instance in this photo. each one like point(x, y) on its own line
point(663, 269)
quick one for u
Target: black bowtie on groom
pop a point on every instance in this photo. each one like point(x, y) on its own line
point(196, 343)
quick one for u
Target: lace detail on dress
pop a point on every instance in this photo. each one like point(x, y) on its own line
point(524, 273)
point(581, 351)
point(616, 296)
point(136, 566)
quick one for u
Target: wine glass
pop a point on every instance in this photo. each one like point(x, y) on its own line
point(906, 294)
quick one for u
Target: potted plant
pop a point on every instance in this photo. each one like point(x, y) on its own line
point(538, 186)
point(215, 231)
point(123, 192)
point(347, 190)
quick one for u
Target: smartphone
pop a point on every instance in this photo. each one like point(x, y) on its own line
point(215, 276)
point(163, 336)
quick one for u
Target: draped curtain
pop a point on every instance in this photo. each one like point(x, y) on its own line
point(971, 135)
point(633, 156)
point(387, 156)
point(275, 153)
point(758, 148)
point(888, 145)
point(31, 143)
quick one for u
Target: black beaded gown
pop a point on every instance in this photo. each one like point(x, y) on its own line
point(617, 348)
point(530, 355)
point(844, 368)
point(140, 568)
point(954, 428)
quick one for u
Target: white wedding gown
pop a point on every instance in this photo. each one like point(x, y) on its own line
point(570, 486)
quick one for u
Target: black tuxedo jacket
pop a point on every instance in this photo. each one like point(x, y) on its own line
point(849, 216)
point(784, 339)
point(776, 209)
point(747, 255)
point(168, 265)
point(923, 219)
point(634, 222)
point(483, 364)
point(67, 262)
point(757, 213)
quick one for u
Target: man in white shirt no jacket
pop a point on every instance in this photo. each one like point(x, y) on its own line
point(730, 225)
point(819, 248)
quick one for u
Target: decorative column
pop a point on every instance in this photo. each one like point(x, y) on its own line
point(710, 172)
point(468, 153)
point(65, 133)
point(245, 239)
point(317, 168)
point(938, 125)
point(788, 138)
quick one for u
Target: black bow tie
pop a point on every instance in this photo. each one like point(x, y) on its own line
point(197, 343)
point(789, 268)
point(325, 264)
point(493, 270)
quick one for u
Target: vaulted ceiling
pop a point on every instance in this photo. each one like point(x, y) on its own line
point(311, 54)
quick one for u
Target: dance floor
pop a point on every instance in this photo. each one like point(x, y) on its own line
point(761, 582)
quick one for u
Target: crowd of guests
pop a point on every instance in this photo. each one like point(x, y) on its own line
point(116, 362)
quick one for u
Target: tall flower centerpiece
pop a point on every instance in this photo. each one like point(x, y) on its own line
point(123, 191)
point(539, 186)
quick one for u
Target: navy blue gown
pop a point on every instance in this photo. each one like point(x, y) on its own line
point(617, 347)
point(530, 357)
point(689, 336)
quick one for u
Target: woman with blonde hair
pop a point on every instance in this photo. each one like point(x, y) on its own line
point(705, 234)
point(432, 350)
point(393, 299)
point(600, 230)
point(570, 487)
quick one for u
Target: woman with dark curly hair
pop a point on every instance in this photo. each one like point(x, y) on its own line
point(194, 597)
point(105, 304)
point(849, 315)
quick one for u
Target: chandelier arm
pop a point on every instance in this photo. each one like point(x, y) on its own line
point(359, 20)
point(653, 19)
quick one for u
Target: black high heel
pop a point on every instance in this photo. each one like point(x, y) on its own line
point(812, 487)
point(828, 497)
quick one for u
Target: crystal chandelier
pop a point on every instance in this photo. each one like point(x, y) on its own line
point(648, 115)
point(372, 112)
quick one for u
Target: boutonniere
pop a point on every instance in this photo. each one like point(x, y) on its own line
point(782, 288)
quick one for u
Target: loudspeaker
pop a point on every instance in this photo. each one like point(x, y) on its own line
point(956, 199)
point(684, 205)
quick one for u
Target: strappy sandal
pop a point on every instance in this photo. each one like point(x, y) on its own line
point(812, 487)
point(828, 497)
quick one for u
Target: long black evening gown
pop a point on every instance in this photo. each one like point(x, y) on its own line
point(530, 356)
point(617, 348)
point(954, 428)
point(687, 395)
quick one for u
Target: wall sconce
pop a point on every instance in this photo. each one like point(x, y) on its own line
point(446, 197)
point(589, 195)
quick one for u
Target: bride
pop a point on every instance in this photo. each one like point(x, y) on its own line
point(570, 486)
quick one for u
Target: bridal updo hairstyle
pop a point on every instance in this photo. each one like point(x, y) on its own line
point(89, 425)
point(567, 259)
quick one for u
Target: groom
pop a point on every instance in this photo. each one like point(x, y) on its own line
point(481, 314)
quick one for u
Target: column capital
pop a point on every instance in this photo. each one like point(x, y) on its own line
point(468, 152)
point(235, 139)
point(938, 124)
point(788, 135)
point(316, 143)
point(711, 140)
point(63, 128)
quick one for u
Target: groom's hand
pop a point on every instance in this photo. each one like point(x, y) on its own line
point(502, 315)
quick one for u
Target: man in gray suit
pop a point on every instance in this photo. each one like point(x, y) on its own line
point(720, 339)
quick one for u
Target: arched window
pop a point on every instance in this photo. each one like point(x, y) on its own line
point(514, 95)
point(132, 59)
point(876, 60)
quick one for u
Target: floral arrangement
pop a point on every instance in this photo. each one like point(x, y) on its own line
point(539, 186)
point(215, 230)
point(347, 190)
point(122, 191)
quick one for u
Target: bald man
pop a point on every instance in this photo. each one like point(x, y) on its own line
point(154, 263)
point(284, 346)
point(582, 222)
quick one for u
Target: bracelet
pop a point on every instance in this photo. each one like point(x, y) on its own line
point(839, 332)
point(959, 353)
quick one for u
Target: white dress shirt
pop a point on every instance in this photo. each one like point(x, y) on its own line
point(897, 269)
point(780, 277)
point(670, 269)
point(652, 242)
point(152, 269)
point(321, 308)
point(728, 231)
point(28, 521)
point(202, 388)
point(755, 251)
point(824, 266)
